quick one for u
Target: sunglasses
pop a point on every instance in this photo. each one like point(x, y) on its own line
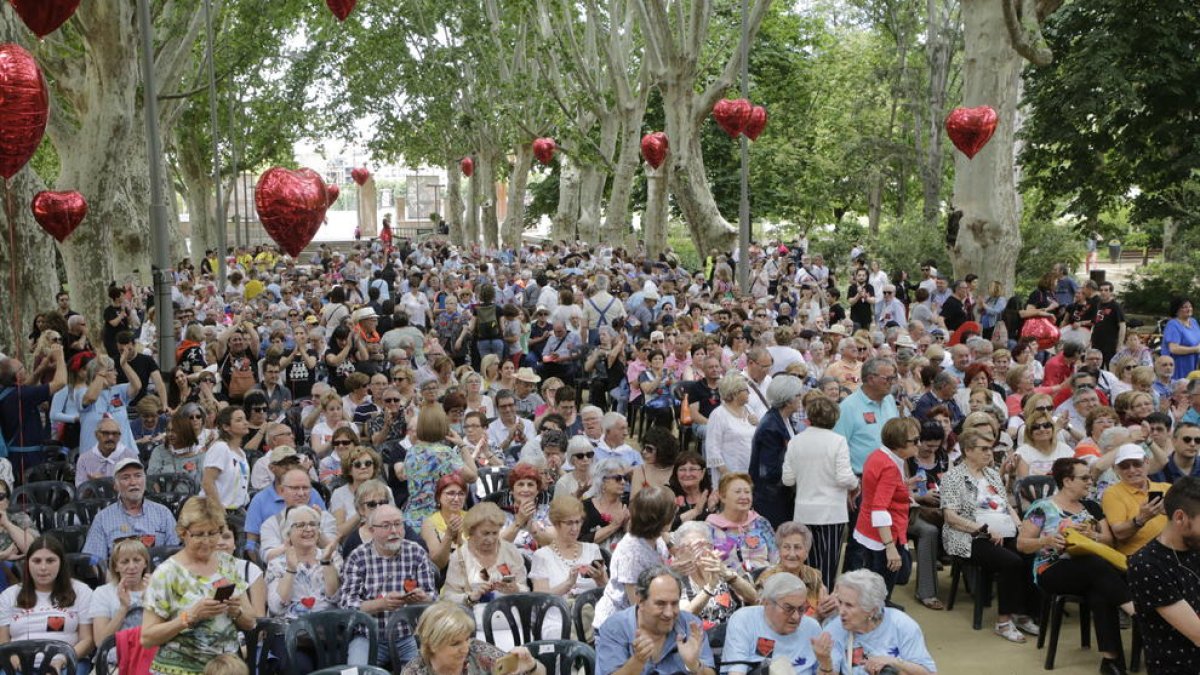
point(368, 464)
point(1043, 425)
point(375, 504)
point(258, 408)
point(586, 455)
point(1191, 440)
point(337, 444)
point(618, 478)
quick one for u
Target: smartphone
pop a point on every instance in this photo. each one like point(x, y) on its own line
point(1156, 494)
point(508, 579)
point(223, 593)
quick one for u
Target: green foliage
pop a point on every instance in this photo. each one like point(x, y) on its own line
point(1045, 244)
point(680, 241)
point(1151, 288)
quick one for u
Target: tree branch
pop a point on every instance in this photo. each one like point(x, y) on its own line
point(716, 89)
point(1025, 30)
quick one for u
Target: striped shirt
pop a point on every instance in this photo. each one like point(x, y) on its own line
point(367, 575)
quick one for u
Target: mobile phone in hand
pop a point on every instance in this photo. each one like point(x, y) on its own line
point(223, 593)
point(1155, 494)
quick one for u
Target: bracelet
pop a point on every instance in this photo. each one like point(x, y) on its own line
point(183, 617)
point(326, 562)
point(290, 571)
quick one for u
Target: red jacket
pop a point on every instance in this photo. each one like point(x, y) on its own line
point(883, 489)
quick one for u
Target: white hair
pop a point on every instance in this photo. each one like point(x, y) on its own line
point(872, 591)
point(610, 420)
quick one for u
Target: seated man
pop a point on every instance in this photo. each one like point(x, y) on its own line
point(1134, 516)
point(132, 515)
point(561, 357)
point(101, 459)
point(778, 628)
point(297, 491)
point(1182, 460)
point(654, 635)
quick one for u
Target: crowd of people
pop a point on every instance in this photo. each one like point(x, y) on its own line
point(441, 426)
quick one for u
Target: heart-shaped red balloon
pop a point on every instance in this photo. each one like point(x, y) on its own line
point(732, 115)
point(360, 175)
point(331, 193)
point(24, 108)
point(654, 148)
point(971, 128)
point(44, 16)
point(543, 149)
point(291, 206)
point(59, 213)
point(468, 166)
point(341, 8)
point(756, 123)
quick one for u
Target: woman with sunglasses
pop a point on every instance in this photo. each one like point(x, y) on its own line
point(370, 496)
point(577, 481)
point(333, 419)
point(362, 464)
point(659, 449)
point(1041, 447)
point(187, 441)
point(605, 512)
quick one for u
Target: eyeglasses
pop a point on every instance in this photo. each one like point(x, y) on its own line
point(1042, 426)
point(790, 610)
point(109, 433)
point(3, 496)
point(214, 534)
point(617, 478)
point(306, 525)
point(585, 455)
point(375, 504)
point(398, 525)
point(1044, 408)
point(207, 380)
point(338, 444)
point(195, 417)
point(454, 494)
point(258, 408)
point(391, 400)
point(1131, 464)
point(914, 441)
point(364, 464)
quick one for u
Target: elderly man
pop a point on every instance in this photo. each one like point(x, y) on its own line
point(297, 491)
point(864, 412)
point(132, 515)
point(380, 577)
point(100, 460)
point(759, 363)
point(1133, 507)
point(616, 430)
point(560, 358)
point(509, 432)
point(778, 628)
point(848, 368)
point(654, 635)
point(889, 310)
point(954, 312)
point(941, 393)
point(528, 400)
point(270, 501)
point(602, 309)
point(960, 358)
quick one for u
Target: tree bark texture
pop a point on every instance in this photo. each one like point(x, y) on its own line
point(566, 219)
point(454, 200)
point(487, 208)
point(471, 222)
point(654, 220)
point(514, 220)
point(28, 277)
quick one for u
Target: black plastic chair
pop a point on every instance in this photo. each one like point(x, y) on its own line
point(493, 479)
point(1052, 616)
point(331, 632)
point(71, 537)
point(80, 512)
point(525, 614)
point(100, 660)
point(563, 657)
point(52, 493)
point(178, 483)
point(409, 615)
point(83, 569)
point(716, 642)
point(583, 613)
point(159, 554)
point(97, 488)
point(58, 470)
point(41, 652)
point(172, 500)
point(979, 583)
point(1032, 488)
point(42, 516)
point(354, 670)
point(258, 655)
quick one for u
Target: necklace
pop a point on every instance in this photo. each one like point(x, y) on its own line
point(562, 555)
point(1179, 562)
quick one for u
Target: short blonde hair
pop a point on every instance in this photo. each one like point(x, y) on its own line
point(124, 548)
point(483, 513)
point(1142, 376)
point(227, 664)
point(359, 451)
point(732, 383)
point(200, 511)
point(442, 623)
point(565, 506)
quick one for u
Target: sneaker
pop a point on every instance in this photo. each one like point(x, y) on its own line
point(1028, 626)
point(1009, 632)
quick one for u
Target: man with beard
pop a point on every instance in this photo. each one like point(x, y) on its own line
point(131, 516)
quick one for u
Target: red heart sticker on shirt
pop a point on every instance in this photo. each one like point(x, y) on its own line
point(504, 571)
point(189, 466)
point(308, 602)
point(765, 646)
point(410, 585)
point(56, 624)
point(724, 600)
point(147, 540)
point(753, 541)
point(869, 417)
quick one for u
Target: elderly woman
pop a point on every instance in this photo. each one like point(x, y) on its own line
point(488, 566)
point(875, 636)
point(428, 460)
point(605, 513)
point(882, 527)
point(772, 500)
point(567, 566)
point(117, 605)
point(744, 539)
point(711, 590)
point(659, 449)
point(181, 617)
point(443, 531)
point(692, 484)
point(446, 633)
point(731, 427)
point(370, 496)
point(817, 462)
point(1041, 446)
point(362, 464)
point(1043, 533)
point(526, 507)
point(304, 579)
point(226, 468)
point(577, 481)
point(981, 526)
point(476, 400)
point(48, 604)
point(651, 513)
point(795, 541)
point(102, 396)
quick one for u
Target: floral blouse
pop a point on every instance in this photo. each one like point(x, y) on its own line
point(960, 493)
point(308, 588)
point(1051, 519)
point(748, 546)
point(424, 465)
point(719, 607)
point(173, 588)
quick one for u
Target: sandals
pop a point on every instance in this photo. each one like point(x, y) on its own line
point(1009, 632)
point(932, 603)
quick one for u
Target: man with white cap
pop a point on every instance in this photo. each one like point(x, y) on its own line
point(366, 320)
point(131, 516)
point(1134, 506)
point(528, 400)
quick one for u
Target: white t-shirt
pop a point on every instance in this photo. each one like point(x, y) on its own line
point(549, 565)
point(342, 498)
point(1039, 464)
point(45, 621)
point(106, 603)
point(233, 483)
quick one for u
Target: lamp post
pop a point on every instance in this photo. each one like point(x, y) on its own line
point(163, 277)
point(743, 263)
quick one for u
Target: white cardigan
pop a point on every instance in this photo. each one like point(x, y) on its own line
point(818, 464)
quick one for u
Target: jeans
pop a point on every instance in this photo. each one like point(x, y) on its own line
point(406, 647)
point(876, 561)
point(485, 347)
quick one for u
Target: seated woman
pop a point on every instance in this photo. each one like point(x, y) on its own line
point(1041, 446)
point(795, 541)
point(117, 605)
point(488, 566)
point(981, 527)
point(304, 579)
point(875, 636)
point(526, 508)
point(659, 449)
point(925, 521)
point(745, 540)
point(567, 566)
point(605, 512)
point(1043, 533)
point(48, 604)
point(362, 464)
point(446, 633)
point(443, 531)
point(692, 484)
point(711, 590)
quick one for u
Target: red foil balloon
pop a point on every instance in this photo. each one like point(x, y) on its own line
point(44, 16)
point(24, 108)
point(360, 175)
point(291, 206)
point(971, 128)
point(341, 8)
point(756, 123)
point(468, 166)
point(331, 193)
point(732, 115)
point(654, 148)
point(59, 213)
point(543, 149)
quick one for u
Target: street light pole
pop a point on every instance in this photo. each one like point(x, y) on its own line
point(743, 263)
point(163, 276)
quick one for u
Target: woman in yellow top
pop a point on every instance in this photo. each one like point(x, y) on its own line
point(443, 531)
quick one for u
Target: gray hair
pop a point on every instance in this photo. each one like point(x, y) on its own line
point(731, 383)
point(847, 342)
point(606, 467)
point(691, 528)
point(944, 378)
point(783, 389)
point(1111, 437)
point(296, 513)
point(578, 443)
point(610, 420)
point(96, 365)
point(978, 345)
point(781, 584)
point(872, 592)
point(601, 283)
point(590, 410)
point(791, 528)
point(371, 487)
point(651, 573)
point(872, 366)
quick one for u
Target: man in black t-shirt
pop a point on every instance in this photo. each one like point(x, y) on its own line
point(1108, 323)
point(145, 367)
point(703, 397)
point(1164, 579)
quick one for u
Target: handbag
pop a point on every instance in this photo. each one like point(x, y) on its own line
point(1043, 329)
point(241, 380)
point(1079, 544)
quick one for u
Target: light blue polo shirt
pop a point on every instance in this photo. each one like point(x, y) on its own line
point(861, 422)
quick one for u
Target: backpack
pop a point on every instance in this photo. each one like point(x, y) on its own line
point(487, 323)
